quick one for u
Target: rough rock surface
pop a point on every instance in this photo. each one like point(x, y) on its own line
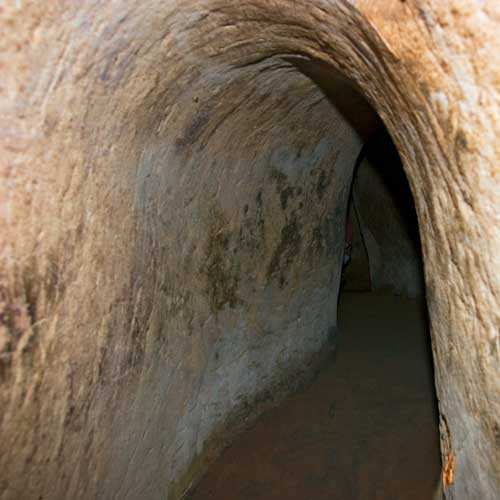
point(173, 186)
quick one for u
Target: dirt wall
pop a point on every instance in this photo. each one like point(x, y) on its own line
point(173, 183)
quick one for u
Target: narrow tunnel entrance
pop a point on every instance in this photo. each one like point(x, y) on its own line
point(367, 426)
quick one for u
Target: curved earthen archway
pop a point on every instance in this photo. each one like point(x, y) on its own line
point(174, 184)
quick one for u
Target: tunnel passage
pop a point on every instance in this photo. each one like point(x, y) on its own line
point(366, 426)
point(383, 242)
point(175, 179)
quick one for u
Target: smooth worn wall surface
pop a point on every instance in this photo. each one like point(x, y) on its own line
point(173, 184)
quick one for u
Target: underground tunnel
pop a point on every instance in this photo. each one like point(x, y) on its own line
point(366, 425)
point(180, 182)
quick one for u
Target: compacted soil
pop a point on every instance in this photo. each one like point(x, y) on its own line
point(366, 428)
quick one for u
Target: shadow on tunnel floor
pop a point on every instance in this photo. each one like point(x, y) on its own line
point(366, 428)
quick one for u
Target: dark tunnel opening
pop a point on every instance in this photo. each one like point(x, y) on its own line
point(382, 235)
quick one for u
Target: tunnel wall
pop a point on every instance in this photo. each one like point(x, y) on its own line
point(183, 273)
point(158, 271)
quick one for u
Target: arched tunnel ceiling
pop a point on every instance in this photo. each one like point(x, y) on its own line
point(174, 182)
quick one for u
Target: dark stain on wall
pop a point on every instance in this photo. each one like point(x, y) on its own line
point(287, 249)
point(317, 244)
point(323, 181)
point(251, 232)
point(221, 268)
point(285, 194)
point(284, 190)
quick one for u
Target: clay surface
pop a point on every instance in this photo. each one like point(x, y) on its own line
point(174, 178)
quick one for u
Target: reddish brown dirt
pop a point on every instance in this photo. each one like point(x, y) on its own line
point(365, 429)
